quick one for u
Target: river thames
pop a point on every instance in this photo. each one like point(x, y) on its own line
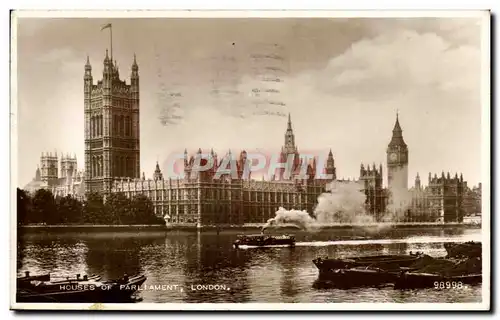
point(193, 267)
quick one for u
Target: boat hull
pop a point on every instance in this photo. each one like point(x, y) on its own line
point(349, 278)
point(387, 262)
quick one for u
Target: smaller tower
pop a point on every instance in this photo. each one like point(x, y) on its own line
point(49, 168)
point(37, 174)
point(157, 175)
point(68, 166)
point(330, 166)
point(418, 185)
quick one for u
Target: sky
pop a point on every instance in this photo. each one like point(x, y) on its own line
point(342, 80)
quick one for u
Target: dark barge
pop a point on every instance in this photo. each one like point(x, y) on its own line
point(384, 262)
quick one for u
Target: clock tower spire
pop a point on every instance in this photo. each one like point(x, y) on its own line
point(397, 159)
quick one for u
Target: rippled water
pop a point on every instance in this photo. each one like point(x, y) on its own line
point(203, 267)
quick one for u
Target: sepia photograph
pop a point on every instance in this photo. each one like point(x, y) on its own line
point(250, 160)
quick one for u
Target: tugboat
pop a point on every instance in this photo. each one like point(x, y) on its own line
point(260, 240)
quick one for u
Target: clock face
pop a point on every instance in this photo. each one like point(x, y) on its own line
point(393, 156)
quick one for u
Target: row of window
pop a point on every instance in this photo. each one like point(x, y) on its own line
point(120, 167)
point(223, 194)
point(121, 126)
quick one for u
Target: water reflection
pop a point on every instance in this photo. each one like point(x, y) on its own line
point(189, 262)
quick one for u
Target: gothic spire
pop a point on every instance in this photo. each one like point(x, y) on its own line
point(289, 147)
point(397, 127)
point(397, 135)
point(87, 64)
point(135, 67)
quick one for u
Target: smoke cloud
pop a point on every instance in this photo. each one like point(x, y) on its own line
point(400, 198)
point(344, 203)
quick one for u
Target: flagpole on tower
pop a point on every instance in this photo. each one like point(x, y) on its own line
point(111, 41)
point(111, 37)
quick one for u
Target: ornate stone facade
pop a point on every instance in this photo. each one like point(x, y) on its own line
point(68, 182)
point(376, 195)
point(111, 127)
point(207, 198)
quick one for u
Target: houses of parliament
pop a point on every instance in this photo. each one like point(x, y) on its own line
point(111, 109)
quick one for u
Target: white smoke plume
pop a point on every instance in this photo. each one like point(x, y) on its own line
point(299, 218)
point(400, 201)
point(400, 197)
point(344, 203)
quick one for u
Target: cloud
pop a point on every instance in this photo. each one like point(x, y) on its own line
point(399, 62)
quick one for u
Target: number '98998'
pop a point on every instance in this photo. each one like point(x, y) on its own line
point(448, 285)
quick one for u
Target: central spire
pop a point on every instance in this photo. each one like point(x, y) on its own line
point(397, 127)
point(289, 138)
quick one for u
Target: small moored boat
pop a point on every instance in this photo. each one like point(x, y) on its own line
point(87, 289)
point(261, 240)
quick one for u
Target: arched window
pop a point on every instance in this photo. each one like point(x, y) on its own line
point(100, 167)
point(128, 166)
point(122, 126)
point(124, 169)
point(101, 127)
point(127, 126)
point(97, 129)
point(119, 124)
point(118, 166)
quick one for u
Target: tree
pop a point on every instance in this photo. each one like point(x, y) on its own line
point(143, 211)
point(24, 207)
point(44, 207)
point(70, 210)
point(93, 209)
point(118, 208)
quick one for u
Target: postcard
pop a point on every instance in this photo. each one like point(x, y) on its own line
point(250, 160)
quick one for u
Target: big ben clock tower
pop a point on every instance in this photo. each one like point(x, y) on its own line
point(397, 159)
